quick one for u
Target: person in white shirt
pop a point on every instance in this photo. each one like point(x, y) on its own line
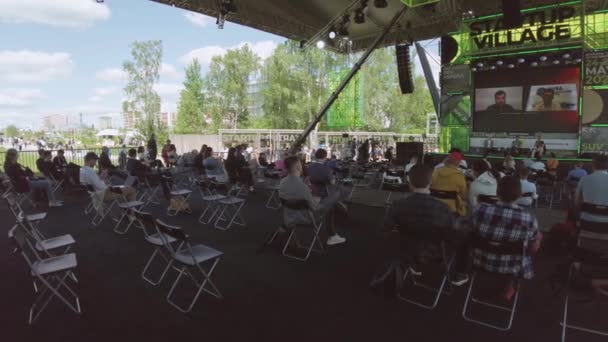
point(410, 165)
point(528, 189)
point(485, 183)
point(538, 164)
point(88, 176)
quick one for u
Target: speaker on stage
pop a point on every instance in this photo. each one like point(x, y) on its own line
point(404, 68)
point(512, 17)
point(405, 151)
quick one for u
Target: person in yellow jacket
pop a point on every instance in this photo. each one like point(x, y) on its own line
point(450, 178)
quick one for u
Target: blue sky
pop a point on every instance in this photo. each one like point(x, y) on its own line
point(65, 56)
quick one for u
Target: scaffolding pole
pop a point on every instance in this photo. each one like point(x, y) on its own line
point(428, 75)
point(302, 138)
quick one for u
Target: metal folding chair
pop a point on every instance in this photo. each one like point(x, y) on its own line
point(152, 235)
point(592, 239)
point(314, 225)
point(273, 201)
point(101, 208)
point(428, 236)
point(127, 208)
point(189, 258)
point(230, 213)
point(501, 249)
point(51, 272)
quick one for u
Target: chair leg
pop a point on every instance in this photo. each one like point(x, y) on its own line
point(157, 251)
point(511, 310)
point(438, 291)
point(50, 292)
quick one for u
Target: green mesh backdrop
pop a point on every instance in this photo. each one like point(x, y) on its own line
point(454, 137)
point(346, 111)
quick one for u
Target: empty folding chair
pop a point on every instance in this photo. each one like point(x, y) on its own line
point(127, 208)
point(154, 237)
point(101, 208)
point(190, 259)
point(274, 202)
point(314, 226)
point(51, 272)
point(430, 236)
point(230, 211)
point(590, 257)
point(499, 250)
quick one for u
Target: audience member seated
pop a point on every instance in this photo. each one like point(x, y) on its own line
point(198, 159)
point(214, 168)
point(320, 175)
point(59, 161)
point(485, 183)
point(262, 160)
point(552, 164)
point(507, 222)
point(333, 163)
point(40, 164)
point(292, 187)
point(538, 165)
point(421, 211)
point(593, 189)
point(135, 167)
point(462, 164)
point(449, 178)
point(88, 176)
point(575, 175)
point(528, 189)
point(508, 165)
point(486, 159)
point(24, 180)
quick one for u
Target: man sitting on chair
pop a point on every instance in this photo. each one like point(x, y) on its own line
point(88, 176)
point(450, 178)
point(422, 211)
point(292, 187)
point(506, 221)
point(593, 189)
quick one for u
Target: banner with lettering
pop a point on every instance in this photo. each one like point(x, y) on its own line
point(596, 68)
point(542, 27)
point(594, 140)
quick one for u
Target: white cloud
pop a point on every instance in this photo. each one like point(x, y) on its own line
point(168, 90)
point(19, 97)
point(111, 75)
point(198, 19)
point(168, 70)
point(30, 66)
point(105, 91)
point(204, 55)
point(64, 13)
point(95, 98)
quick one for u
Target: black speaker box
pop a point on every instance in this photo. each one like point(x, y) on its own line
point(405, 151)
point(449, 49)
point(404, 68)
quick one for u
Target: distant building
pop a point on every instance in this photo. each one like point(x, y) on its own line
point(168, 119)
point(130, 119)
point(104, 122)
point(58, 122)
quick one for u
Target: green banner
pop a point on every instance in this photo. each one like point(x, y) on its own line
point(346, 111)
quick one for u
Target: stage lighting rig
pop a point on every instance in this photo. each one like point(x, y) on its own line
point(226, 7)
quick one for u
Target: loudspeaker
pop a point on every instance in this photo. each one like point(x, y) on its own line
point(512, 17)
point(405, 151)
point(344, 135)
point(449, 49)
point(404, 68)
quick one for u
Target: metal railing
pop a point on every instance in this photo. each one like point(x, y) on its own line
point(76, 156)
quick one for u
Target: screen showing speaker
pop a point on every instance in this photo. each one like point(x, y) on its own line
point(527, 100)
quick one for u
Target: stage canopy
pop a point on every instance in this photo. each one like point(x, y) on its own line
point(302, 19)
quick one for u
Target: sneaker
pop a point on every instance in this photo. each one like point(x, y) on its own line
point(414, 271)
point(55, 204)
point(335, 239)
point(459, 279)
point(509, 292)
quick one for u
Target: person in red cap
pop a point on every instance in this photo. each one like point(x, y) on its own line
point(451, 180)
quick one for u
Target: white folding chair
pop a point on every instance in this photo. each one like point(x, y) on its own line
point(51, 272)
point(274, 202)
point(152, 235)
point(190, 258)
point(230, 213)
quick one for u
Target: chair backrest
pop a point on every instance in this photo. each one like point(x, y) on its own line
point(20, 236)
point(501, 249)
point(527, 194)
point(595, 209)
point(146, 221)
point(593, 235)
point(295, 204)
point(13, 204)
point(130, 181)
point(444, 194)
point(488, 199)
point(173, 231)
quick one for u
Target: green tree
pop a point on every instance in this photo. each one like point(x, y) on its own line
point(190, 110)
point(11, 131)
point(226, 86)
point(141, 100)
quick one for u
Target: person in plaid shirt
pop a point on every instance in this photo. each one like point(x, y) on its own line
point(506, 221)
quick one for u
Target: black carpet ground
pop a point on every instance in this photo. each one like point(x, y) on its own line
point(267, 297)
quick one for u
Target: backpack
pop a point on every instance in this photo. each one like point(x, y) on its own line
point(388, 279)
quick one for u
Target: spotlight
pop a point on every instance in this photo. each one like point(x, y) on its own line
point(359, 16)
point(332, 34)
point(542, 58)
point(511, 66)
point(566, 56)
point(473, 69)
point(480, 65)
point(320, 44)
point(556, 62)
point(492, 68)
point(521, 60)
point(534, 64)
point(380, 3)
point(499, 62)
